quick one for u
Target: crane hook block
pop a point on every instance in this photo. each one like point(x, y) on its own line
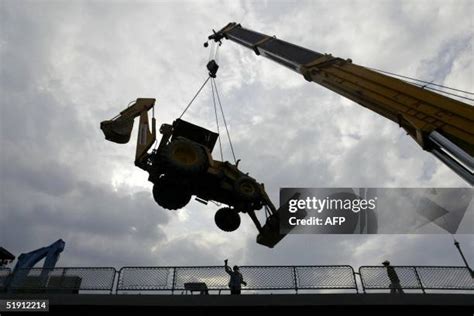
point(212, 66)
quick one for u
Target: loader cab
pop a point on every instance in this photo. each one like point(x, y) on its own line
point(183, 166)
point(194, 133)
point(180, 163)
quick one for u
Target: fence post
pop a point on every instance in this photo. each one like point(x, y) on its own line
point(361, 281)
point(114, 285)
point(62, 279)
point(174, 280)
point(296, 279)
point(355, 279)
point(419, 281)
point(119, 276)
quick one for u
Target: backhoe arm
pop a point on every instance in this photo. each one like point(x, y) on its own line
point(119, 129)
point(439, 124)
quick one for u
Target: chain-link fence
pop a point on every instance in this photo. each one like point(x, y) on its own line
point(63, 280)
point(442, 278)
point(258, 278)
point(145, 279)
point(325, 277)
point(416, 278)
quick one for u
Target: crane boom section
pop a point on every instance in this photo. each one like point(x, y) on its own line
point(419, 111)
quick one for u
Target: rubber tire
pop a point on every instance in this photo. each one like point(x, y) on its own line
point(170, 196)
point(185, 157)
point(227, 219)
point(247, 189)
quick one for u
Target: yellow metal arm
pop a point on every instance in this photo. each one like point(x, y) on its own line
point(119, 129)
point(439, 124)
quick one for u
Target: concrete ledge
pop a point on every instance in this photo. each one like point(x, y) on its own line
point(274, 300)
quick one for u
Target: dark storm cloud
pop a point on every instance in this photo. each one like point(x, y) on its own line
point(39, 206)
point(46, 177)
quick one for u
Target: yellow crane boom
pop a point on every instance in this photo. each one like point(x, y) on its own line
point(440, 125)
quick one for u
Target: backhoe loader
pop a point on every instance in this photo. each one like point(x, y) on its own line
point(182, 166)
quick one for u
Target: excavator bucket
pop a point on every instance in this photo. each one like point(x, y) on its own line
point(117, 131)
point(271, 232)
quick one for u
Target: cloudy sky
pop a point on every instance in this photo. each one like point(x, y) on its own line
point(67, 65)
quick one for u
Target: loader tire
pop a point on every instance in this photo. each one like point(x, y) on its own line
point(247, 189)
point(227, 219)
point(169, 195)
point(185, 157)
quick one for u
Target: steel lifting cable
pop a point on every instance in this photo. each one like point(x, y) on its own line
point(437, 90)
point(215, 94)
point(217, 121)
point(448, 93)
point(213, 82)
point(427, 84)
point(200, 89)
point(189, 104)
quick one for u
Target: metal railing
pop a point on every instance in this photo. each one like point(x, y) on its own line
point(63, 280)
point(419, 278)
point(145, 279)
point(258, 278)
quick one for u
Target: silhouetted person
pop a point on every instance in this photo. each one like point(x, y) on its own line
point(395, 286)
point(236, 279)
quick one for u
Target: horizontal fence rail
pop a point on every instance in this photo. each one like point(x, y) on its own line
point(416, 278)
point(70, 280)
point(259, 278)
